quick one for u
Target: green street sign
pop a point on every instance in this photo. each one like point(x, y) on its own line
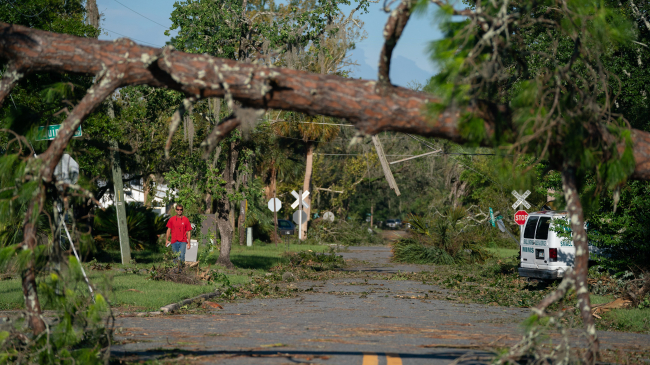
point(52, 131)
point(492, 217)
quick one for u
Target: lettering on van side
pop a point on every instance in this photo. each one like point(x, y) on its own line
point(534, 242)
point(527, 249)
point(565, 243)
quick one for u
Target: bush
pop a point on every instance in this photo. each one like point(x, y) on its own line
point(80, 332)
point(441, 240)
point(343, 233)
point(143, 223)
point(316, 261)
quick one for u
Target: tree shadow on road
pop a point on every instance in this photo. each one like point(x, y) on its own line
point(462, 356)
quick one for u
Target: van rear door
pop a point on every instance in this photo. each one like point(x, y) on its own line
point(541, 242)
point(528, 242)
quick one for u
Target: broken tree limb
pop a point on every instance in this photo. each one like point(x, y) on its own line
point(175, 306)
point(392, 32)
point(260, 87)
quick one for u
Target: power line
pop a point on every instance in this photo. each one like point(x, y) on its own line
point(356, 154)
point(139, 40)
point(23, 14)
point(141, 14)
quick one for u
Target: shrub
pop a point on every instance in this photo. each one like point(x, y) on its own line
point(343, 233)
point(143, 224)
point(442, 240)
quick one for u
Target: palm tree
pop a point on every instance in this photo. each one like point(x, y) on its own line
point(311, 130)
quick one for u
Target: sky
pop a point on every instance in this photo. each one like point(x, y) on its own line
point(144, 22)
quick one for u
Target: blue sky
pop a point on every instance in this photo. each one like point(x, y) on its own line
point(144, 21)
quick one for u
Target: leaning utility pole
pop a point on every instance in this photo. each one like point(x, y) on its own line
point(384, 165)
point(120, 204)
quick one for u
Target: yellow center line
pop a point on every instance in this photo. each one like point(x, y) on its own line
point(370, 359)
point(393, 359)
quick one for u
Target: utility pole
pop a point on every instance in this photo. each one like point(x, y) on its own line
point(384, 165)
point(120, 204)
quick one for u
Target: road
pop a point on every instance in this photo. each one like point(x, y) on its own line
point(343, 321)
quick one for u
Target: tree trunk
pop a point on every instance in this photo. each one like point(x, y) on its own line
point(273, 183)
point(92, 13)
point(223, 213)
point(575, 215)
point(225, 231)
point(28, 274)
point(242, 213)
point(306, 185)
point(29, 50)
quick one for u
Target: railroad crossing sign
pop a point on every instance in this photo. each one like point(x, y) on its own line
point(328, 216)
point(521, 199)
point(275, 205)
point(520, 217)
point(304, 195)
point(300, 217)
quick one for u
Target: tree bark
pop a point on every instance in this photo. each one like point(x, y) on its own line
point(306, 185)
point(581, 267)
point(92, 13)
point(31, 50)
point(28, 274)
point(223, 213)
point(242, 213)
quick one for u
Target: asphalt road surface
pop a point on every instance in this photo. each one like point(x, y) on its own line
point(373, 322)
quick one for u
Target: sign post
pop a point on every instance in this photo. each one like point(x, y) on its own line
point(120, 204)
point(275, 205)
point(521, 201)
point(300, 215)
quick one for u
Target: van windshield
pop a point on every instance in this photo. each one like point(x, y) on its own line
point(284, 224)
point(542, 228)
point(529, 232)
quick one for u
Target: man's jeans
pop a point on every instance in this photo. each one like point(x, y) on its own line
point(180, 247)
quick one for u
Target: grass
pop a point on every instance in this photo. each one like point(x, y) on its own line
point(629, 320)
point(504, 252)
point(264, 257)
point(149, 295)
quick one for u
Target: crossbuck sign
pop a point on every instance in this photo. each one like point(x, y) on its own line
point(298, 199)
point(521, 199)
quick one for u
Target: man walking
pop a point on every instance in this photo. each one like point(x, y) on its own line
point(180, 229)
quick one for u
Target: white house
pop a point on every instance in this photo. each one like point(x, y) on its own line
point(134, 192)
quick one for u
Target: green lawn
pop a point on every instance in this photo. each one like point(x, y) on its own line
point(145, 294)
point(265, 257)
point(504, 252)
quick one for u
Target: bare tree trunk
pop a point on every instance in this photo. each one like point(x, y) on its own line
point(28, 274)
point(224, 214)
point(242, 213)
point(306, 185)
point(92, 13)
point(273, 183)
point(575, 214)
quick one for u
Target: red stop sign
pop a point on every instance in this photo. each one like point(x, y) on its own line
point(520, 217)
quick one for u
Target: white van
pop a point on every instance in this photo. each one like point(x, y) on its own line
point(544, 255)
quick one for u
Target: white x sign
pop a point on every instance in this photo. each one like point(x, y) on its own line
point(521, 199)
point(304, 195)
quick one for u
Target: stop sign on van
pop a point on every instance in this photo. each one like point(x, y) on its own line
point(520, 217)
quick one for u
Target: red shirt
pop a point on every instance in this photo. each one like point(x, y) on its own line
point(179, 227)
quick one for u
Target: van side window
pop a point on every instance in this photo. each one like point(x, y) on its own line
point(542, 228)
point(529, 231)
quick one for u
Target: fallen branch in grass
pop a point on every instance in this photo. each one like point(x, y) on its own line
point(175, 306)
